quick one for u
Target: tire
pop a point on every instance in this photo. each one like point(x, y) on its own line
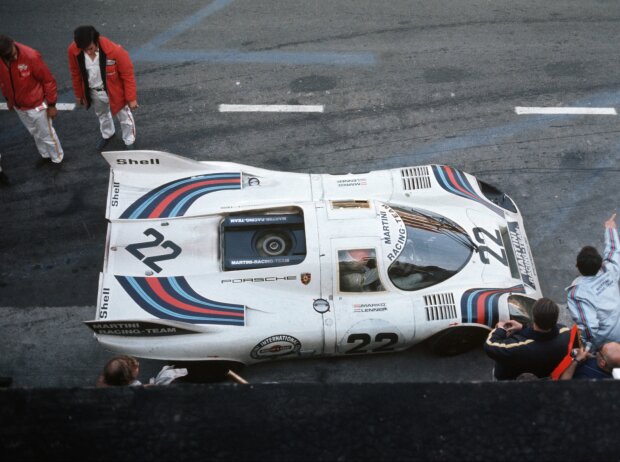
point(207, 371)
point(457, 340)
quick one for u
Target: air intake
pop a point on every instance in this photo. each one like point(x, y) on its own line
point(415, 178)
point(440, 307)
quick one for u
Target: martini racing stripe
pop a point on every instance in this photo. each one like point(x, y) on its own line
point(481, 305)
point(173, 298)
point(174, 198)
point(455, 182)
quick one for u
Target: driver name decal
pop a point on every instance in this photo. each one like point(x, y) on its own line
point(351, 182)
point(369, 307)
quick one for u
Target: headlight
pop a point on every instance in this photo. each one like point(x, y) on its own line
point(520, 308)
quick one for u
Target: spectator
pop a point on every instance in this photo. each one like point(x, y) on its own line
point(536, 349)
point(30, 90)
point(594, 297)
point(598, 366)
point(102, 75)
point(123, 371)
point(120, 371)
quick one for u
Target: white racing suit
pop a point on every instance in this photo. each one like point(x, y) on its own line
point(594, 301)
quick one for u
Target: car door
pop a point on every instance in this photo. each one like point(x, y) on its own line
point(371, 316)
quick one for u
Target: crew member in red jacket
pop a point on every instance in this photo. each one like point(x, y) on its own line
point(103, 77)
point(30, 90)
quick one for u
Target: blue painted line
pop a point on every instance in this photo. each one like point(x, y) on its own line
point(489, 136)
point(152, 52)
point(565, 219)
point(185, 25)
point(260, 57)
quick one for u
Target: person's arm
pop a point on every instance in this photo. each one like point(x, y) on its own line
point(583, 314)
point(125, 72)
point(579, 359)
point(76, 77)
point(612, 247)
point(498, 344)
point(42, 73)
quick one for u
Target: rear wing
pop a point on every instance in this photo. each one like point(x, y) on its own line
point(158, 185)
point(154, 184)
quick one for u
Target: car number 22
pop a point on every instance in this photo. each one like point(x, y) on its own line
point(486, 251)
point(158, 241)
point(385, 339)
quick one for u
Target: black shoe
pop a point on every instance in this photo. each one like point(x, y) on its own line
point(103, 142)
point(43, 161)
point(130, 147)
point(4, 180)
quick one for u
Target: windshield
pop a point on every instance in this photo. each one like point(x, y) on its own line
point(436, 249)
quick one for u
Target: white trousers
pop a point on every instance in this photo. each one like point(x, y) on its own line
point(41, 128)
point(101, 105)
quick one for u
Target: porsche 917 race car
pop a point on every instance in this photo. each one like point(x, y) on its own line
point(217, 261)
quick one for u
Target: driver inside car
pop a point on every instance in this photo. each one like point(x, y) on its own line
point(358, 271)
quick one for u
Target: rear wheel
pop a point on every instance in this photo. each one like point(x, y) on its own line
point(208, 371)
point(457, 340)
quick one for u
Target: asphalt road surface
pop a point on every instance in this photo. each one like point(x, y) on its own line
point(402, 83)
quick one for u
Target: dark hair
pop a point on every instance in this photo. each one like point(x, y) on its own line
point(589, 261)
point(6, 46)
point(119, 371)
point(545, 312)
point(84, 36)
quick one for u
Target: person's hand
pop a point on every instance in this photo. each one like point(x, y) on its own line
point(81, 101)
point(52, 112)
point(11, 107)
point(611, 223)
point(581, 355)
point(510, 326)
point(133, 105)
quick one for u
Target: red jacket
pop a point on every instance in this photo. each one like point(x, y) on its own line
point(26, 82)
point(116, 73)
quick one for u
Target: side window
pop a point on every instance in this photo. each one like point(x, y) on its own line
point(358, 271)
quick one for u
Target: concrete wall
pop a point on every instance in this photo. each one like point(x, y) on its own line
point(466, 421)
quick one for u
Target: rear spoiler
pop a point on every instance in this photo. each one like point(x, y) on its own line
point(144, 328)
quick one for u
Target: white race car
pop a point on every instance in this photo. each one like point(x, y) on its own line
point(217, 261)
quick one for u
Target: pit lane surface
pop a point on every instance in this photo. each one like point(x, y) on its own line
point(401, 83)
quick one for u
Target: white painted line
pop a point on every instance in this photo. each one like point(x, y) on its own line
point(269, 108)
point(566, 110)
point(59, 106)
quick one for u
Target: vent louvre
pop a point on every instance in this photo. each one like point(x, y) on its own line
point(415, 178)
point(440, 306)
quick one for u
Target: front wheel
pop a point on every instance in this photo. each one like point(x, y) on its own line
point(457, 340)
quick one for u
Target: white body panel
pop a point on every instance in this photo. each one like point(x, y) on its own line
point(165, 294)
